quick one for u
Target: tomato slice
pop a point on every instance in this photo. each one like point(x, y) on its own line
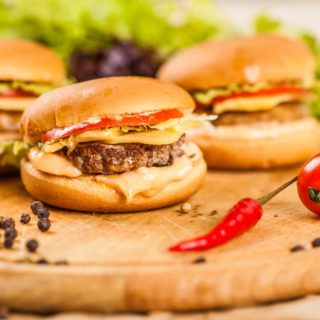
point(263, 92)
point(133, 119)
point(16, 93)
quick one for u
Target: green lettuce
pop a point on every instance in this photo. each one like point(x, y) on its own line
point(36, 88)
point(206, 96)
point(166, 25)
point(11, 152)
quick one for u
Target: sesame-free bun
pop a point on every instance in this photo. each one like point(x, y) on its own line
point(249, 147)
point(86, 194)
point(104, 97)
point(242, 60)
point(29, 61)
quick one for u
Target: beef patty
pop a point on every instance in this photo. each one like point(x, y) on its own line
point(101, 158)
point(285, 112)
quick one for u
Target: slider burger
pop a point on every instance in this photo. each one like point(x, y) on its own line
point(27, 70)
point(111, 145)
point(259, 88)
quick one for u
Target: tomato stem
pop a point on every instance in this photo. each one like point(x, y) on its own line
point(263, 200)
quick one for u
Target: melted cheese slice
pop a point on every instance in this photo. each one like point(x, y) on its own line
point(15, 104)
point(252, 104)
point(143, 181)
point(155, 137)
point(53, 164)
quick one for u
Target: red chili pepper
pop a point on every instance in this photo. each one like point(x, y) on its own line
point(240, 218)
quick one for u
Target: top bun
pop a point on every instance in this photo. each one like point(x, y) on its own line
point(103, 97)
point(243, 60)
point(29, 61)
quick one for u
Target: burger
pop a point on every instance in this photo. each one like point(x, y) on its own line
point(111, 145)
point(27, 70)
point(259, 88)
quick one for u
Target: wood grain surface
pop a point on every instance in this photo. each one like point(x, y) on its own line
point(120, 262)
point(300, 309)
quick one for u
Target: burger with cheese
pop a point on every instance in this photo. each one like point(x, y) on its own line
point(259, 88)
point(27, 70)
point(111, 145)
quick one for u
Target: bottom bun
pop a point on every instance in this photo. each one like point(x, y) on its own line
point(259, 146)
point(86, 194)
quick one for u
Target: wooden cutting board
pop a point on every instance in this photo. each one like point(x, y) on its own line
point(120, 262)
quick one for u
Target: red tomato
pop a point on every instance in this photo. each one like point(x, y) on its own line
point(308, 184)
point(16, 93)
point(134, 119)
point(263, 92)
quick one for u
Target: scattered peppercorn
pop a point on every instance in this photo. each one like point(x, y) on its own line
point(42, 261)
point(10, 233)
point(36, 206)
point(199, 260)
point(8, 243)
point(25, 218)
point(8, 223)
point(185, 207)
point(32, 245)
point(62, 263)
point(297, 248)
point(44, 224)
point(316, 243)
point(43, 213)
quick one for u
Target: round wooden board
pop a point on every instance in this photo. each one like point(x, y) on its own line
point(120, 262)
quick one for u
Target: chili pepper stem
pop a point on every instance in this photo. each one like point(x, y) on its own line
point(263, 200)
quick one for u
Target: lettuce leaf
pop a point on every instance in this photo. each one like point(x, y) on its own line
point(64, 25)
point(11, 152)
point(36, 88)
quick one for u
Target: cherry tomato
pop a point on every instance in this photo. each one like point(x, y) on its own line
point(16, 93)
point(134, 119)
point(308, 184)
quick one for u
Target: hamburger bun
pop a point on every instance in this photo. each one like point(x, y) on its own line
point(101, 98)
point(243, 60)
point(29, 61)
point(86, 194)
point(246, 147)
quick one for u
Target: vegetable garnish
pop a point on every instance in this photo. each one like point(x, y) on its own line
point(308, 184)
point(212, 96)
point(16, 93)
point(245, 214)
point(116, 121)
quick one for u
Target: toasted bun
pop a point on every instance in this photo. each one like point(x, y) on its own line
point(247, 147)
point(29, 61)
point(243, 60)
point(101, 98)
point(85, 194)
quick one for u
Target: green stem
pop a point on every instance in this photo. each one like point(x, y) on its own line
point(263, 200)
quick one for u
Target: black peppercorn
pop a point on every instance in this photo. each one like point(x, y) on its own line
point(8, 223)
point(315, 243)
point(10, 233)
point(44, 224)
point(42, 261)
point(25, 218)
point(36, 206)
point(297, 248)
point(8, 243)
point(32, 245)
